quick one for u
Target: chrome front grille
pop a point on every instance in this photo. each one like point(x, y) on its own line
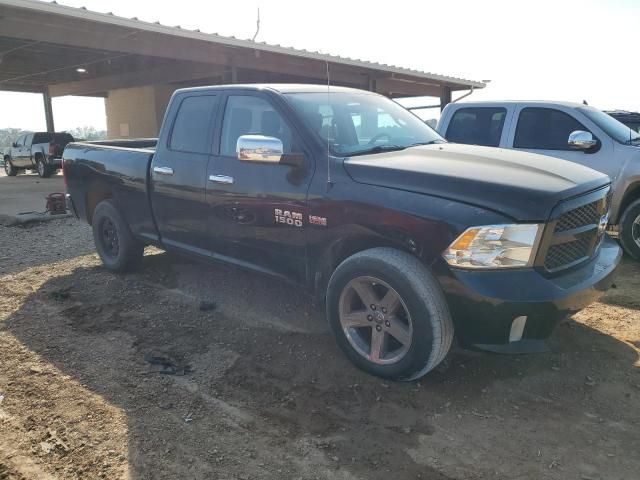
point(574, 231)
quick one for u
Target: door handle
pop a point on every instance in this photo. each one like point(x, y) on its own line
point(224, 179)
point(163, 170)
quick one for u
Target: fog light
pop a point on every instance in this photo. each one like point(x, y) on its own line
point(517, 328)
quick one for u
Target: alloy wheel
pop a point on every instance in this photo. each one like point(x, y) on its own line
point(635, 230)
point(375, 320)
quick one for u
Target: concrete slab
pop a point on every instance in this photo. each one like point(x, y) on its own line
point(26, 192)
point(23, 197)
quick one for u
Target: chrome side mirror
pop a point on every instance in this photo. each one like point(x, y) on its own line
point(581, 140)
point(259, 148)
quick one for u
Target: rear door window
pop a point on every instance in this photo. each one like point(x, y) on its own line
point(545, 129)
point(42, 137)
point(193, 126)
point(477, 126)
point(28, 140)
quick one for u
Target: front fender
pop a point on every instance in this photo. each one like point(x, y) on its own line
point(624, 195)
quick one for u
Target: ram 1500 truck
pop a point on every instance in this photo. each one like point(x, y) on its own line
point(570, 131)
point(405, 239)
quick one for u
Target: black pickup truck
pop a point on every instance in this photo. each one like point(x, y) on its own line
point(405, 238)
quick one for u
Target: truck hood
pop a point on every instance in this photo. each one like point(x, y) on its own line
point(522, 185)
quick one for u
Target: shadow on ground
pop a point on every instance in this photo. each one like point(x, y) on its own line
point(251, 385)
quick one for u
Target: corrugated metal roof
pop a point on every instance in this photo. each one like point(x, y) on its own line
point(109, 18)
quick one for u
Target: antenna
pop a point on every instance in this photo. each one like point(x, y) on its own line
point(257, 27)
point(329, 184)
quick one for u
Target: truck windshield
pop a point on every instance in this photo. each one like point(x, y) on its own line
point(612, 127)
point(359, 123)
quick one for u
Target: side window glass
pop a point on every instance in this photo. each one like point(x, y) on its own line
point(28, 140)
point(20, 141)
point(249, 115)
point(477, 126)
point(545, 129)
point(193, 125)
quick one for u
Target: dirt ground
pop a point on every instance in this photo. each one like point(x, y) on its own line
point(185, 371)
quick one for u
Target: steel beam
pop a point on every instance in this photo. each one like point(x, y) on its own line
point(48, 111)
point(445, 97)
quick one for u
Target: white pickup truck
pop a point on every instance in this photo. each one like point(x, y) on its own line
point(570, 131)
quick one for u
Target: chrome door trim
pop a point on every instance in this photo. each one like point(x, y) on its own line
point(223, 179)
point(163, 170)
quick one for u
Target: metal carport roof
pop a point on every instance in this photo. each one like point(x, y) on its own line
point(42, 46)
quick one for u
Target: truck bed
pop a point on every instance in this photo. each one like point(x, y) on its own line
point(136, 143)
point(120, 167)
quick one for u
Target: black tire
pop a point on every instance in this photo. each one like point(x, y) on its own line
point(420, 293)
point(9, 169)
point(44, 170)
point(630, 230)
point(116, 246)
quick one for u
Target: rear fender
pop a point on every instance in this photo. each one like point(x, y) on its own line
point(96, 193)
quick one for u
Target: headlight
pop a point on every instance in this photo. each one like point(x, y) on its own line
point(495, 246)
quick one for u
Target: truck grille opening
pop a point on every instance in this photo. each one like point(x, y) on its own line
point(575, 234)
point(579, 217)
point(565, 254)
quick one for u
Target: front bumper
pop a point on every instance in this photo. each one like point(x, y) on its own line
point(484, 304)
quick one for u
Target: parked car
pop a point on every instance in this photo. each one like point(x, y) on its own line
point(630, 119)
point(41, 151)
point(574, 132)
point(406, 239)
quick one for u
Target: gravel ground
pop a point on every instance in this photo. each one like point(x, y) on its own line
point(191, 371)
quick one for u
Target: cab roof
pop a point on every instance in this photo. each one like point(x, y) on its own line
point(280, 88)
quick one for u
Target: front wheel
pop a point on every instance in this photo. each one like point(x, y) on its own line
point(116, 246)
point(389, 314)
point(9, 169)
point(630, 230)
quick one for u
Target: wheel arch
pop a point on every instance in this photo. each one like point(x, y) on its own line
point(631, 194)
point(96, 193)
point(340, 250)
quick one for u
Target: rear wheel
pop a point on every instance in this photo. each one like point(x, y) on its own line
point(630, 230)
point(116, 246)
point(9, 169)
point(389, 314)
point(44, 170)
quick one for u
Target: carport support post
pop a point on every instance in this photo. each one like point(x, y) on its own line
point(48, 111)
point(445, 97)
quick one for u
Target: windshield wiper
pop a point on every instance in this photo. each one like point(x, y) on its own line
point(431, 142)
point(379, 149)
point(393, 148)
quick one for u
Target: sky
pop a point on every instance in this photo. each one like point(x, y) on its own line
point(554, 50)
